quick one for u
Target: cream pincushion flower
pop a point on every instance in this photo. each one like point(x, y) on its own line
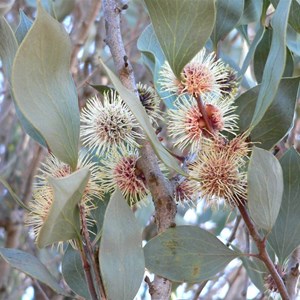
point(220, 169)
point(187, 126)
point(43, 194)
point(203, 75)
point(120, 170)
point(109, 125)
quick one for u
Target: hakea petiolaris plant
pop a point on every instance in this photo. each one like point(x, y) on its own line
point(213, 149)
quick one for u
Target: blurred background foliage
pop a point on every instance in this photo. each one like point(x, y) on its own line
point(20, 156)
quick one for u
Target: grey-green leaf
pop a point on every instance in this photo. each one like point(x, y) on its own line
point(30, 265)
point(285, 236)
point(44, 89)
point(229, 13)
point(121, 255)
point(182, 28)
point(154, 58)
point(275, 63)
point(187, 254)
point(23, 27)
point(294, 16)
point(8, 49)
point(140, 114)
point(252, 11)
point(73, 273)
point(63, 223)
point(261, 55)
point(277, 119)
point(265, 188)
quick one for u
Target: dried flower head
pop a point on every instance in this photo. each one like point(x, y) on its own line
point(120, 170)
point(185, 191)
point(270, 283)
point(201, 76)
point(229, 82)
point(43, 194)
point(150, 100)
point(187, 125)
point(109, 125)
point(220, 171)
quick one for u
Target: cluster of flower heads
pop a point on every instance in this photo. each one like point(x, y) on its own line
point(109, 131)
point(203, 113)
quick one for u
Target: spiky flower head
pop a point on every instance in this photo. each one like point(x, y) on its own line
point(150, 100)
point(201, 76)
point(43, 195)
point(220, 169)
point(229, 82)
point(120, 170)
point(185, 191)
point(187, 126)
point(109, 125)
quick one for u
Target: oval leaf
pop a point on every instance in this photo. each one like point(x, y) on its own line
point(44, 89)
point(265, 188)
point(186, 254)
point(138, 110)
point(8, 49)
point(182, 28)
point(229, 13)
point(275, 63)
point(285, 236)
point(73, 273)
point(121, 255)
point(62, 223)
point(277, 119)
point(30, 265)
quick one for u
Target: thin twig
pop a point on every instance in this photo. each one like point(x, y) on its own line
point(293, 274)
point(83, 30)
point(263, 254)
point(87, 271)
point(90, 253)
point(36, 283)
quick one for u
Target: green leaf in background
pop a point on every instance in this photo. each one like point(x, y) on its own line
point(73, 273)
point(265, 188)
point(182, 28)
point(252, 11)
point(277, 119)
point(44, 89)
point(261, 55)
point(187, 254)
point(229, 13)
point(275, 64)
point(293, 41)
point(121, 255)
point(63, 223)
point(154, 58)
point(8, 49)
point(23, 27)
point(294, 16)
point(285, 237)
point(30, 265)
point(140, 114)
